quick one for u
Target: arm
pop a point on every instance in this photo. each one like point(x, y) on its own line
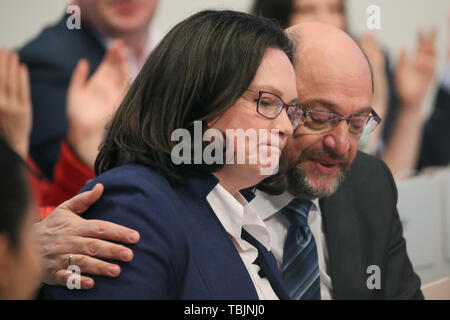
point(91, 103)
point(377, 60)
point(149, 274)
point(401, 282)
point(70, 175)
point(412, 79)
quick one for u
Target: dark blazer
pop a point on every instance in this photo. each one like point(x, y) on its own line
point(435, 149)
point(184, 251)
point(362, 228)
point(51, 57)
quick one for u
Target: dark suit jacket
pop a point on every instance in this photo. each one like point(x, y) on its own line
point(184, 251)
point(362, 228)
point(51, 58)
point(435, 149)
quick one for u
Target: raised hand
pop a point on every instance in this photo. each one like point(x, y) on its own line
point(414, 76)
point(15, 102)
point(92, 102)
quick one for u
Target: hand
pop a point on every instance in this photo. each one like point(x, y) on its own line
point(412, 78)
point(92, 103)
point(15, 102)
point(64, 233)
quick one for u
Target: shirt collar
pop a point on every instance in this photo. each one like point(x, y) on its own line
point(267, 205)
point(234, 214)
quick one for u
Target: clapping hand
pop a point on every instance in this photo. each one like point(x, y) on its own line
point(15, 102)
point(414, 76)
point(91, 103)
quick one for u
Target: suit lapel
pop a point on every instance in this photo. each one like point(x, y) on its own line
point(217, 259)
point(268, 265)
point(344, 241)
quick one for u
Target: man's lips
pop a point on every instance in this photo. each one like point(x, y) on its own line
point(326, 166)
point(126, 8)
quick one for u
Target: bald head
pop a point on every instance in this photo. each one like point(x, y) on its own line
point(324, 48)
point(333, 75)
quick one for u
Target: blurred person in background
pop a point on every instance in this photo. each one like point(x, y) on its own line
point(78, 78)
point(19, 261)
point(397, 99)
point(436, 137)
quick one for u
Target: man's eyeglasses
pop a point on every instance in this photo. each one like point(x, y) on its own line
point(270, 106)
point(320, 121)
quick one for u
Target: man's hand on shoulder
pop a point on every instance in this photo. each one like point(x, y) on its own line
point(65, 237)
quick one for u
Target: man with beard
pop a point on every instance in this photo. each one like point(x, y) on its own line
point(351, 245)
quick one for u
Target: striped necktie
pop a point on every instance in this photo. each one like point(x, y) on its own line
point(300, 268)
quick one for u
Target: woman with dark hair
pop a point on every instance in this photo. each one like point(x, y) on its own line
point(19, 261)
point(219, 77)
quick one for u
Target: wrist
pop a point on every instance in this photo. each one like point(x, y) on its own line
point(21, 148)
point(84, 146)
point(413, 115)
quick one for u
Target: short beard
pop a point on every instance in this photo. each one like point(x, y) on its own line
point(300, 185)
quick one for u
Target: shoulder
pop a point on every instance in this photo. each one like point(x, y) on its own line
point(137, 197)
point(370, 186)
point(367, 169)
point(57, 45)
point(135, 185)
point(132, 174)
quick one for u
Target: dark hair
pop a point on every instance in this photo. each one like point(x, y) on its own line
point(277, 10)
point(201, 67)
point(14, 193)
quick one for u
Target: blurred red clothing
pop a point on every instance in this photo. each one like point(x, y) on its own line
point(69, 176)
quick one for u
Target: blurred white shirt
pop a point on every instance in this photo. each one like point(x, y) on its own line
point(154, 37)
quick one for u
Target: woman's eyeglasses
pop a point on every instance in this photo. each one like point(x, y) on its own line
point(270, 106)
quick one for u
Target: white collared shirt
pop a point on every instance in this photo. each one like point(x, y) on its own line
point(268, 207)
point(153, 40)
point(235, 214)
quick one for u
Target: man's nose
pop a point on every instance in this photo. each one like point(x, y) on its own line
point(338, 139)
